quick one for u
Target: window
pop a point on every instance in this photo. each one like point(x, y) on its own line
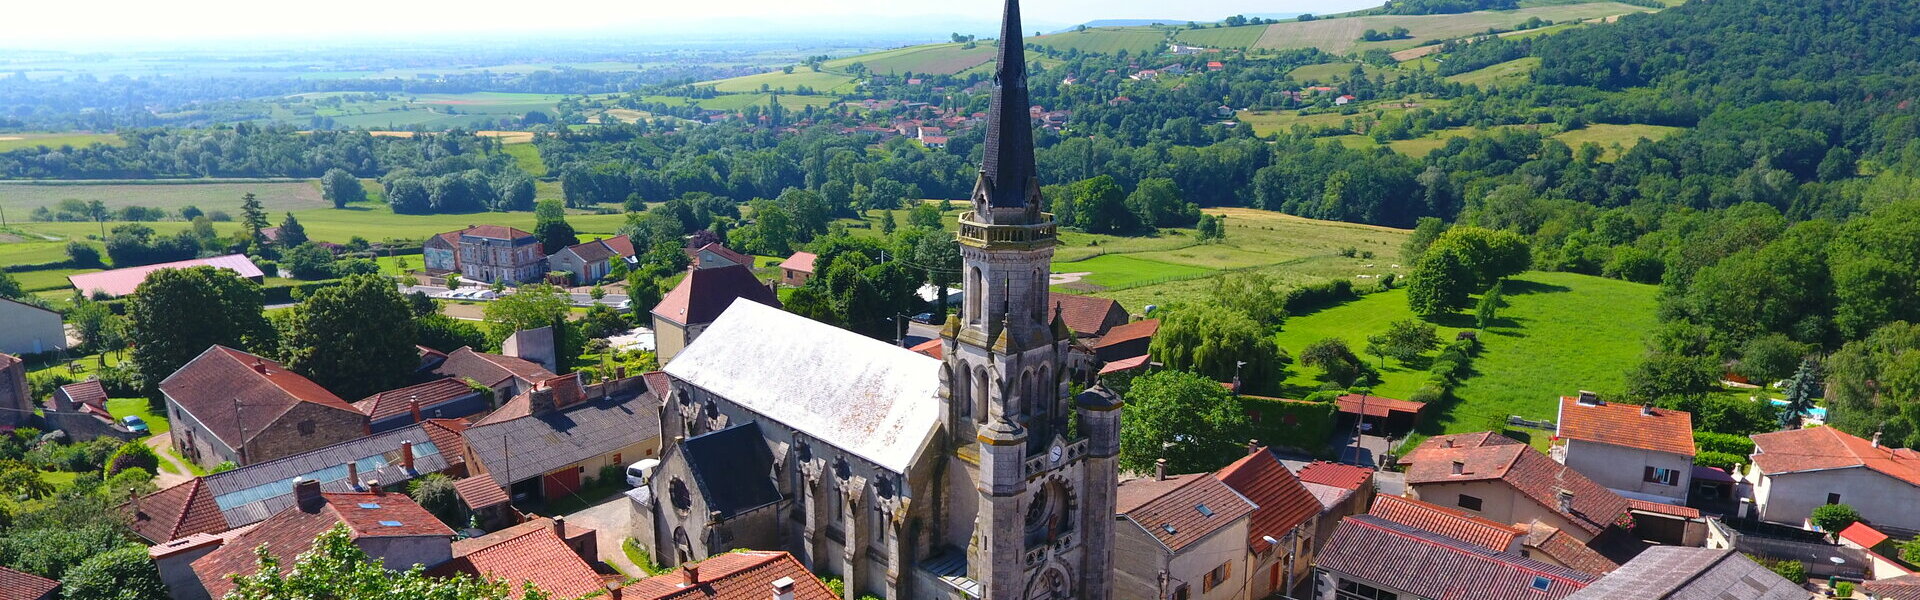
point(1181, 593)
point(1353, 590)
point(306, 427)
point(1833, 498)
point(1541, 583)
point(1662, 476)
point(1216, 577)
point(1468, 502)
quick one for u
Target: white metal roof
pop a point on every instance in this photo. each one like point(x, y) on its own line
point(872, 399)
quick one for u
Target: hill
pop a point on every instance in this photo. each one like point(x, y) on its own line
point(1104, 40)
point(1342, 35)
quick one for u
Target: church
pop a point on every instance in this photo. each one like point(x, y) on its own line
point(974, 475)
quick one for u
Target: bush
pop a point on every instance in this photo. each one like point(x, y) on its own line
point(435, 493)
point(1316, 296)
point(611, 472)
point(1708, 441)
point(224, 466)
point(131, 455)
point(83, 255)
point(124, 573)
point(1723, 460)
point(1843, 589)
point(1832, 518)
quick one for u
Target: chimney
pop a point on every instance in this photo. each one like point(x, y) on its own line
point(783, 588)
point(689, 575)
point(413, 405)
point(560, 527)
point(1160, 469)
point(1253, 447)
point(406, 454)
point(373, 485)
point(1459, 468)
point(613, 589)
point(1446, 443)
point(1589, 398)
point(353, 474)
point(1566, 501)
point(260, 366)
point(306, 495)
point(1876, 439)
point(1646, 410)
point(620, 372)
point(540, 400)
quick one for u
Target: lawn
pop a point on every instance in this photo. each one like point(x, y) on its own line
point(822, 81)
point(1105, 40)
point(527, 157)
point(277, 196)
point(1122, 270)
point(1282, 121)
point(16, 141)
point(1342, 35)
point(32, 252)
point(1326, 73)
point(1608, 135)
point(1353, 322)
point(121, 407)
point(1221, 37)
point(1500, 75)
point(52, 279)
point(371, 221)
point(930, 59)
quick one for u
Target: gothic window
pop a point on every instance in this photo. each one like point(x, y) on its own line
point(974, 291)
point(981, 390)
point(678, 493)
point(962, 393)
point(1040, 295)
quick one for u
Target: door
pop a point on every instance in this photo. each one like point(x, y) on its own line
point(561, 483)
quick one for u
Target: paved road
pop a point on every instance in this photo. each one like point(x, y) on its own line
point(612, 523)
point(162, 445)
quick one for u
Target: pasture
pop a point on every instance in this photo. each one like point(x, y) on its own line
point(1500, 75)
point(1342, 35)
point(1268, 122)
point(931, 59)
point(1608, 136)
point(822, 81)
point(20, 197)
point(1105, 40)
point(1221, 37)
point(395, 110)
point(16, 141)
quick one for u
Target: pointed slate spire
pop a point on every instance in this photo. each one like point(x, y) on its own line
point(1007, 171)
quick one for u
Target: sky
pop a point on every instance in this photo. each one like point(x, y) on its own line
point(59, 23)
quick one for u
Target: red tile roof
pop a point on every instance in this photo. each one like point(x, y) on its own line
point(1904, 587)
point(1126, 333)
point(728, 253)
point(532, 554)
point(931, 348)
point(1376, 406)
point(732, 576)
point(292, 531)
point(496, 232)
point(593, 251)
point(120, 282)
point(176, 512)
point(705, 293)
point(398, 401)
point(207, 386)
point(480, 492)
point(1624, 425)
point(88, 392)
point(1430, 565)
point(800, 261)
point(1450, 522)
point(1564, 549)
point(15, 585)
point(1087, 316)
point(1340, 475)
point(1126, 364)
point(1525, 470)
point(1826, 448)
point(1283, 503)
point(1663, 508)
point(1174, 514)
point(621, 245)
point(1863, 534)
point(490, 369)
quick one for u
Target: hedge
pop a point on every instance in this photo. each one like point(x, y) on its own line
point(1290, 424)
point(1708, 441)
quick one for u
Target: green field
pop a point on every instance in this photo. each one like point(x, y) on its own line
point(16, 141)
point(1342, 35)
point(1268, 122)
point(400, 110)
point(1501, 75)
point(120, 407)
point(1221, 37)
point(1291, 250)
point(1608, 135)
point(527, 157)
point(51, 279)
point(1105, 40)
point(823, 81)
point(1353, 322)
point(1118, 270)
point(930, 59)
point(1327, 73)
point(19, 198)
point(373, 222)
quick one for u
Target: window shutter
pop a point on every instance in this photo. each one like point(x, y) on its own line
point(1650, 475)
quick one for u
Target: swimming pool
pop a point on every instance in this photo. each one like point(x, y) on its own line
point(1815, 412)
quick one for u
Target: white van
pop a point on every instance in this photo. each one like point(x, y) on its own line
point(638, 473)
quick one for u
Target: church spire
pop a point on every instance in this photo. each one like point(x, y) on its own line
point(1007, 171)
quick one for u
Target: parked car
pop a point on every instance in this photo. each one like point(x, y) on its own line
point(135, 424)
point(637, 473)
point(925, 318)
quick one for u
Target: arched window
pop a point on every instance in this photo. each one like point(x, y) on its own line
point(974, 292)
point(980, 393)
point(959, 392)
point(1040, 293)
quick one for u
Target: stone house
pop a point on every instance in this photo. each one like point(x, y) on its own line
point(718, 493)
point(797, 269)
point(443, 398)
point(1280, 532)
point(586, 262)
point(227, 405)
point(554, 439)
point(440, 254)
point(693, 304)
point(1499, 478)
point(80, 410)
point(1342, 490)
point(1181, 537)
point(507, 376)
point(1796, 471)
point(495, 253)
point(16, 399)
point(1374, 558)
point(29, 329)
point(1637, 451)
point(716, 255)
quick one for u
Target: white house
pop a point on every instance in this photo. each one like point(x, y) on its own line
point(29, 329)
point(1637, 451)
point(1796, 471)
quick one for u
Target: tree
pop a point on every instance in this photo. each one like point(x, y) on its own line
point(1099, 206)
point(10, 287)
point(1211, 228)
point(1440, 283)
point(887, 224)
point(124, 573)
point(1338, 363)
point(1769, 358)
point(939, 256)
point(82, 254)
point(354, 339)
point(529, 307)
point(1183, 417)
point(176, 314)
point(132, 455)
point(253, 219)
point(21, 480)
point(550, 225)
point(435, 493)
point(442, 332)
point(1802, 390)
point(291, 233)
point(1212, 340)
point(407, 195)
point(1158, 203)
point(341, 188)
point(336, 569)
point(1832, 518)
point(99, 329)
point(925, 216)
point(1252, 293)
point(1407, 339)
point(1662, 375)
point(1488, 310)
point(310, 261)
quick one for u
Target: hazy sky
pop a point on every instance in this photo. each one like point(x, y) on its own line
point(59, 22)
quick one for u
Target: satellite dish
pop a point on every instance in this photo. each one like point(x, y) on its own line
point(1837, 560)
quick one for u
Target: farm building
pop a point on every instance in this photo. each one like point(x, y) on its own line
point(231, 406)
point(686, 311)
point(549, 441)
point(120, 282)
point(797, 269)
point(29, 329)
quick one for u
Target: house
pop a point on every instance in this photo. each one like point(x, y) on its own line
point(741, 575)
point(1375, 558)
point(1182, 536)
point(507, 376)
point(585, 262)
point(1451, 522)
point(1880, 549)
point(1145, 75)
point(1214, 65)
point(121, 282)
point(440, 254)
point(549, 555)
point(1125, 341)
point(1501, 479)
point(80, 410)
point(1796, 471)
point(16, 399)
point(228, 500)
point(1087, 316)
point(15, 585)
point(1280, 533)
point(499, 254)
point(1344, 100)
point(1637, 451)
point(797, 269)
point(549, 441)
point(386, 525)
point(1342, 490)
point(489, 503)
point(1904, 587)
point(1678, 573)
point(1548, 544)
point(623, 246)
point(29, 329)
point(693, 304)
point(230, 406)
point(1386, 415)
point(535, 345)
point(715, 255)
point(443, 398)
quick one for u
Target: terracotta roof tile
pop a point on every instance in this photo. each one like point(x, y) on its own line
point(703, 294)
point(1126, 333)
point(490, 369)
point(396, 402)
point(1376, 406)
point(176, 512)
point(1283, 502)
point(1453, 523)
point(1531, 473)
point(1863, 534)
point(288, 533)
point(480, 492)
point(1430, 565)
point(1197, 506)
point(533, 554)
point(1663, 508)
point(732, 576)
point(1624, 425)
point(1340, 475)
point(1904, 587)
point(1825, 448)
point(15, 585)
point(593, 251)
point(207, 386)
point(800, 261)
point(728, 253)
point(933, 348)
point(621, 245)
point(496, 232)
point(1087, 316)
point(1125, 364)
point(89, 392)
point(1566, 550)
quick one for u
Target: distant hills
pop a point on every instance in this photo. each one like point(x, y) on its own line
point(1147, 22)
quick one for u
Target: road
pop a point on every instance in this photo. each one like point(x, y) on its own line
point(612, 524)
point(162, 445)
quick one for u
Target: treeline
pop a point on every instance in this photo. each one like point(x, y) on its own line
point(1442, 7)
point(248, 150)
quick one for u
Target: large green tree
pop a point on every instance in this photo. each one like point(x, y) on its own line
point(1440, 283)
point(1215, 341)
point(291, 232)
point(355, 339)
point(125, 573)
point(1185, 418)
point(336, 569)
point(176, 314)
point(341, 188)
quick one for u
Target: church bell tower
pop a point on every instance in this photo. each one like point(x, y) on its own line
point(1042, 462)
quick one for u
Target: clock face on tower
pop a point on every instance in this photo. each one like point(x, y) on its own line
point(1056, 453)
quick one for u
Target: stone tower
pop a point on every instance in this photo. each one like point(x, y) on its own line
point(1041, 464)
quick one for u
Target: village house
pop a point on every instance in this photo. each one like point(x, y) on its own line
point(1796, 471)
point(227, 500)
point(443, 398)
point(507, 376)
point(797, 269)
point(716, 255)
point(16, 399)
point(1280, 533)
point(623, 247)
point(1374, 558)
point(551, 555)
point(1181, 536)
point(586, 262)
point(1342, 490)
point(693, 304)
point(230, 406)
point(121, 282)
point(550, 441)
point(491, 254)
point(440, 254)
point(29, 329)
point(1639, 452)
point(1678, 573)
point(1496, 477)
point(1903, 587)
point(80, 410)
point(16, 585)
point(735, 575)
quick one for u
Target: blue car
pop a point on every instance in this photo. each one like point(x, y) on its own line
point(134, 424)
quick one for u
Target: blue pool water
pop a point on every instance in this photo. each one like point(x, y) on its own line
point(1815, 412)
